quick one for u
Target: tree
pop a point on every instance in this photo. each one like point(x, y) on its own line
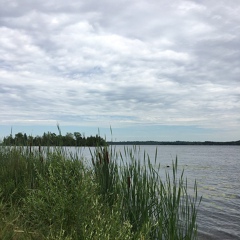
point(19, 138)
point(78, 138)
point(51, 139)
point(69, 140)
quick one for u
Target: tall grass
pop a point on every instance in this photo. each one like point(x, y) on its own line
point(51, 194)
point(156, 208)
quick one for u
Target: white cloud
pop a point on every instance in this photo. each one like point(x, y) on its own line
point(120, 64)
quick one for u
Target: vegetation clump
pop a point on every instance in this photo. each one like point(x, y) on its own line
point(53, 195)
point(53, 139)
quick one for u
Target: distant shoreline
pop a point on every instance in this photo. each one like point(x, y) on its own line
point(232, 143)
point(149, 143)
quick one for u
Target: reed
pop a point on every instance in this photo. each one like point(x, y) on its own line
point(47, 193)
point(156, 208)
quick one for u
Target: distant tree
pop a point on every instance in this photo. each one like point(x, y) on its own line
point(37, 141)
point(51, 139)
point(19, 138)
point(25, 138)
point(9, 140)
point(30, 140)
point(78, 138)
point(69, 139)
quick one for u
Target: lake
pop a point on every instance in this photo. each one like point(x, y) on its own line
point(217, 172)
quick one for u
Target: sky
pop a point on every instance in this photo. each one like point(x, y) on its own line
point(147, 69)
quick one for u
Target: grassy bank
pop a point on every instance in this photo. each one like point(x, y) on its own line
point(53, 195)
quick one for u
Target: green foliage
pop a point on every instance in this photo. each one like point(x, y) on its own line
point(156, 208)
point(52, 139)
point(59, 189)
point(106, 174)
point(56, 198)
point(53, 195)
point(16, 173)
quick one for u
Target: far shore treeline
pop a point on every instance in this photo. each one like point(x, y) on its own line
point(173, 143)
point(52, 139)
point(78, 139)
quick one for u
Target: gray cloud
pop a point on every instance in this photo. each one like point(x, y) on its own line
point(137, 62)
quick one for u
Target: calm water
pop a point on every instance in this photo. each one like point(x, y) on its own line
point(217, 171)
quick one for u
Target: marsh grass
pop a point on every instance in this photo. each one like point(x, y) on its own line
point(51, 194)
point(156, 208)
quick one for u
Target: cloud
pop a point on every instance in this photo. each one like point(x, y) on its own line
point(137, 62)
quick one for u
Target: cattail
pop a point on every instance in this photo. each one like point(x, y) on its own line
point(129, 181)
point(39, 149)
point(93, 162)
point(100, 158)
point(30, 145)
point(107, 157)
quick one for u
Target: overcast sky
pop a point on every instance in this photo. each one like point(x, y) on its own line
point(150, 69)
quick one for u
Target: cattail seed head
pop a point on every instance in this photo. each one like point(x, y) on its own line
point(107, 157)
point(129, 181)
point(100, 158)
